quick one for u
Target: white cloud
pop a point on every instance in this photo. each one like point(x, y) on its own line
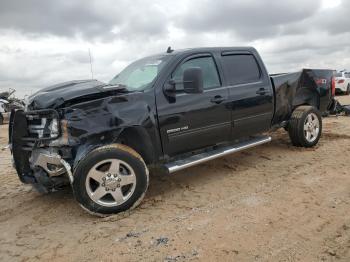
point(330, 3)
point(42, 49)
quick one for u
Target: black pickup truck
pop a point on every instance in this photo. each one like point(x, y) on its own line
point(164, 112)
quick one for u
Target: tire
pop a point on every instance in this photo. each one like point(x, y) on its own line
point(305, 126)
point(101, 189)
point(347, 92)
point(1, 119)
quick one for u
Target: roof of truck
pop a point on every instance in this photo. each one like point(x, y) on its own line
point(211, 49)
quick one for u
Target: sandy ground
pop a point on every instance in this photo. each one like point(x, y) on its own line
point(271, 203)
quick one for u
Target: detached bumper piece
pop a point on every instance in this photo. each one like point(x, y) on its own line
point(336, 108)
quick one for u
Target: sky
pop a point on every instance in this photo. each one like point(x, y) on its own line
point(44, 42)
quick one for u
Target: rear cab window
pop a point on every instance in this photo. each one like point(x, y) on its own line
point(240, 68)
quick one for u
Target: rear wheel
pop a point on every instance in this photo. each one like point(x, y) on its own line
point(305, 126)
point(110, 179)
point(1, 119)
point(347, 92)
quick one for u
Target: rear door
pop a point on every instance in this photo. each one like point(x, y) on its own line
point(250, 93)
point(194, 121)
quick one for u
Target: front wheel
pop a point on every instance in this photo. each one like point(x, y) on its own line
point(110, 179)
point(305, 126)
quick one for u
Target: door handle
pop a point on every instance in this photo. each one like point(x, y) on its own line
point(261, 91)
point(217, 99)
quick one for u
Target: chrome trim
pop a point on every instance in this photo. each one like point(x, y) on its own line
point(38, 129)
point(204, 157)
point(42, 158)
point(118, 183)
point(311, 127)
point(69, 170)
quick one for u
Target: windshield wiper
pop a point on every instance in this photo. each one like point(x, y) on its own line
point(117, 87)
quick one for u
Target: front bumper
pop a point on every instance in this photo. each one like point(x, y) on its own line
point(34, 162)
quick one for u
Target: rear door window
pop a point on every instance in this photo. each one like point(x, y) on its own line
point(240, 68)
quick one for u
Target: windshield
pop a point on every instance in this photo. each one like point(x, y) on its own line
point(139, 75)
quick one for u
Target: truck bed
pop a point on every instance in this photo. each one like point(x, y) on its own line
point(309, 86)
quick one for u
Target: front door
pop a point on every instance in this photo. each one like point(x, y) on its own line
point(194, 121)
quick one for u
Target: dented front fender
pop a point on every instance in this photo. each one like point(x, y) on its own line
point(102, 121)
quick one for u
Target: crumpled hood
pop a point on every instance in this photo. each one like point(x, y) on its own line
point(57, 95)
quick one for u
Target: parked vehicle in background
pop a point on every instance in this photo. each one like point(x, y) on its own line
point(7, 103)
point(4, 114)
point(342, 82)
point(169, 111)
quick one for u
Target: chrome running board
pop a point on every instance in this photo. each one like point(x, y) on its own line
point(207, 156)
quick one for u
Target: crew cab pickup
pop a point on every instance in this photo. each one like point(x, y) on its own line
point(165, 112)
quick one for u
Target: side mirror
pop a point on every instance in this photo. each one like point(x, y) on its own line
point(193, 80)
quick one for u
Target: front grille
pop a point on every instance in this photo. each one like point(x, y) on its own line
point(42, 125)
point(37, 126)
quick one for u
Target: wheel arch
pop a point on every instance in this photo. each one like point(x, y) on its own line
point(138, 139)
point(135, 137)
point(306, 96)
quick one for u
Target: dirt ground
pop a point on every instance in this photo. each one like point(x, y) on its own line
point(270, 203)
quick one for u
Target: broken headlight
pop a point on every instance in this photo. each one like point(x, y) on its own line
point(63, 139)
point(53, 128)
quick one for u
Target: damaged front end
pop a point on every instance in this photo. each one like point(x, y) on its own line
point(63, 123)
point(37, 140)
